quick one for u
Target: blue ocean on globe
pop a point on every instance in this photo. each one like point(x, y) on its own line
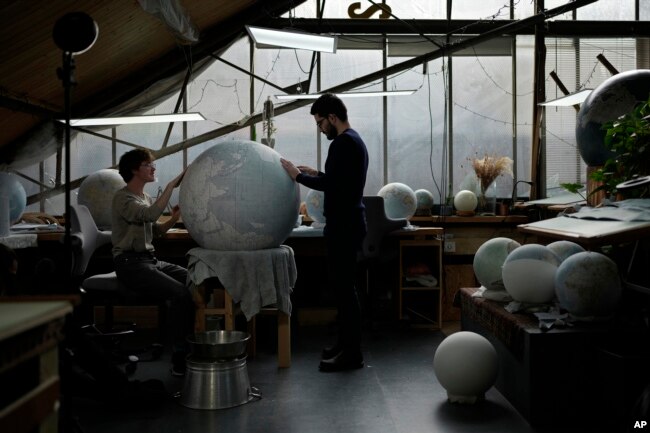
point(236, 196)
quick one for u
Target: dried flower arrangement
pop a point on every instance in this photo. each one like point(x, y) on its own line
point(488, 168)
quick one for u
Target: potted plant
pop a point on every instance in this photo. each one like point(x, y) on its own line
point(629, 138)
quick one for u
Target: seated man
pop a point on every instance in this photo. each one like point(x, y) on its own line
point(134, 223)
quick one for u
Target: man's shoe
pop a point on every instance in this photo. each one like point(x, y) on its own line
point(179, 364)
point(341, 362)
point(331, 351)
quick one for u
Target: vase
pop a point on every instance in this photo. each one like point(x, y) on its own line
point(487, 200)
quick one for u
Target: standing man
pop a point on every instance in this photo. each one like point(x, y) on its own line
point(134, 219)
point(342, 183)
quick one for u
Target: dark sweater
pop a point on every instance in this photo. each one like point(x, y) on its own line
point(342, 183)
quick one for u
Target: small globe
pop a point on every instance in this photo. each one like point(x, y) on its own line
point(399, 200)
point(529, 274)
point(236, 196)
point(15, 193)
point(315, 201)
point(465, 201)
point(96, 193)
point(588, 286)
point(564, 249)
point(466, 365)
point(614, 97)
point(489, 259)
point(424, 199)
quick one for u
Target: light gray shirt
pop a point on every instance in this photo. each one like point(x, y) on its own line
point(133, 222)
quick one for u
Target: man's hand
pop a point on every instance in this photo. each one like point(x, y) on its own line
point(308, 170)
point(291, 169)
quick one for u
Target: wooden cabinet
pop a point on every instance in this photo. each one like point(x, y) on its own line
point(421, 278)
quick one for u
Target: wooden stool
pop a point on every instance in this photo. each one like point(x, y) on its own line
point(224, 306)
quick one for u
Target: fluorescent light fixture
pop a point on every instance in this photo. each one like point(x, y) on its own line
point(150, 118)
point(265, 38)
point(569, 100)
point(348, 95)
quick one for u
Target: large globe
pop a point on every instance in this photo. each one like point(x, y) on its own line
point(314, 201)
point(236, 196)
point(588, 286)
point(529, 274)
point(489, 259)
point(616, 96)
point(399, 200)
point(96, 193)
point(13, 191)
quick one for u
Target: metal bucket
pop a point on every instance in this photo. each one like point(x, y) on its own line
point(211, 384)
point(218, 344)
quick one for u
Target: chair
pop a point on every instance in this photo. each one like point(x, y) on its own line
point(101, 289)
point(373, 248)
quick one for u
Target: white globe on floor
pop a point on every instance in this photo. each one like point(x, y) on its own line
point(466, 365)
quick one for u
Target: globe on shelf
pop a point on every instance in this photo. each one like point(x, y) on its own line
point(424, 202)
point(529, 274)
point(465, 201)
point(614, 97)
point(466, 365)
point(399, 200)
point(236, 196)
point(14, 193)
point(489, 259)
point(315, 202)
point(564, 249)
point(96, 193)
point(588, 286)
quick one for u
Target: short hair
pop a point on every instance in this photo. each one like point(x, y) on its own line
point(330, 104)
point(131, 160)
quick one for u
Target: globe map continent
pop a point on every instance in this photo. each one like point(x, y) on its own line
point(236, 196)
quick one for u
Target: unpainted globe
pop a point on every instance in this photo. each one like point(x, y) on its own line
point(529, 274)
point(614, 97)
point(466, 365)
point(465, 200)
point(399, 200)
point(236, 196)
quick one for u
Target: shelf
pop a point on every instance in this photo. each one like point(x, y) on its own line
point(421, 304)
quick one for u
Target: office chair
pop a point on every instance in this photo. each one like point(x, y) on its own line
point(373, 248)
point(103, 289)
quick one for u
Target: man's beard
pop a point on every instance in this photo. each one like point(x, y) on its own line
point(331, 132)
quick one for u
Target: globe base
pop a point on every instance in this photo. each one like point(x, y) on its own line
point(465, 399)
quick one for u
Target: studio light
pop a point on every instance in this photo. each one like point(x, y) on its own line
point(75, 33)
point(568, 100)
point(265, 38)
point(348, 95)
point(152, 118)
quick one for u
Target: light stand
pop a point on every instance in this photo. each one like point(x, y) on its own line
point(74, 33)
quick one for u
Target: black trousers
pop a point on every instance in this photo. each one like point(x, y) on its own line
point(342, 271)
point(161, 281)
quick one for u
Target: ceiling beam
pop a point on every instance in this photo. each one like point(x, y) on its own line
point(460, 27)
